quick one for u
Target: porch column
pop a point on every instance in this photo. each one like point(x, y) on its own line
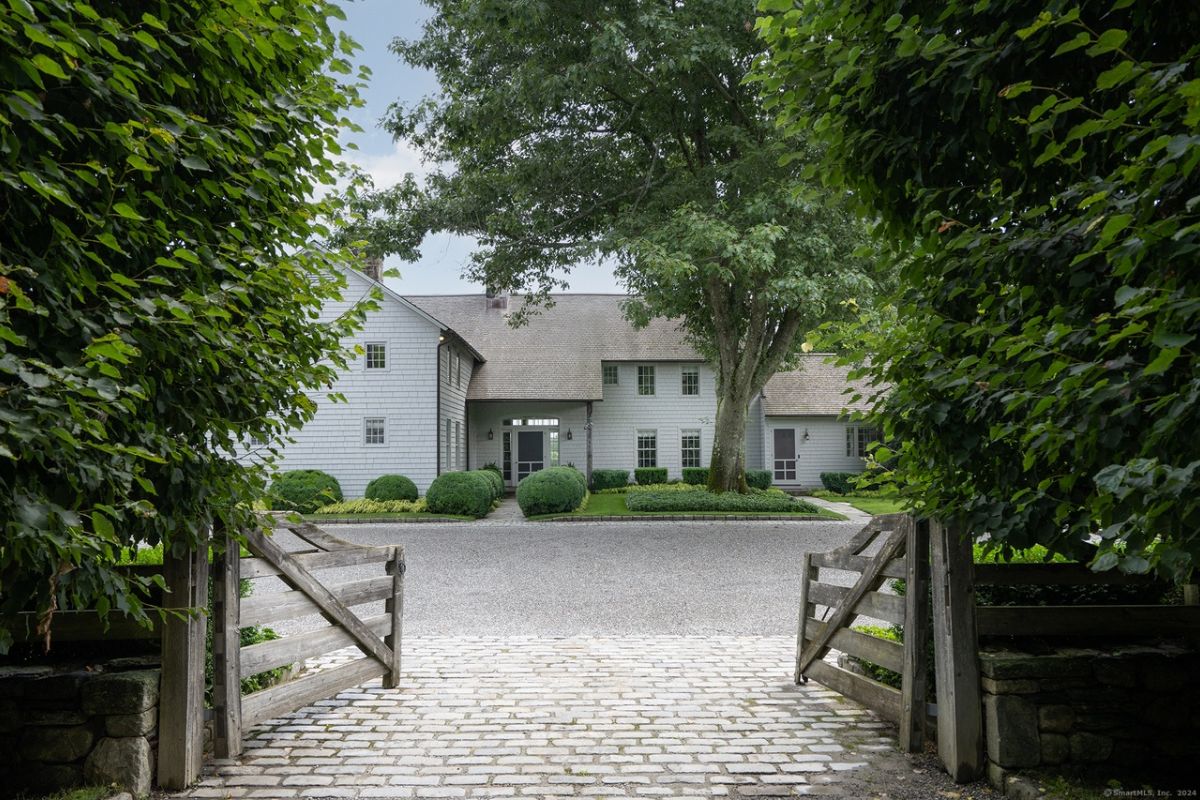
point(588, 428)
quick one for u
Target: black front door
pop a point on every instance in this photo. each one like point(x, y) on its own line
point(531, 452)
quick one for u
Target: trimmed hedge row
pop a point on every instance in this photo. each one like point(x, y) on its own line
point(555, 490)
point(391, 487)
point(697, 476)
point(470, 493)
point(700, 500)
point(368, 506)
point(839, 482)
point(645, 475)
point(303, 490)
point(758, 478)
point(609, 479)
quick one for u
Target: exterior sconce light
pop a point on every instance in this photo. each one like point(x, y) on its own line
point(568, 434)
point(806, 434)
point(491, 435)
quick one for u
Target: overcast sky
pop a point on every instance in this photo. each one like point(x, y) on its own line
point(373, 24)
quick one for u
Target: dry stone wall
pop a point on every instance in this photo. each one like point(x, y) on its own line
point(61, 729)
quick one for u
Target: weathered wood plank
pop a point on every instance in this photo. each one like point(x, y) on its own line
point(846, 608)
point(1087, 620)
point(300, 647)
point(808, 574)
point(300, 578)
point(915, 671)
point(227, 643)
point(855, 563)
point(260, 609)
point(885, 653)
point(956, 654)
point(314, 561)
point(181, 696)
point(286, 697)
point(882, 699)
point(1057, 574)
point(395, 609)
point(889, 607)
point(313, 535)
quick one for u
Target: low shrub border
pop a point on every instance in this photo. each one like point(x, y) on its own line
point(758, 478)
point(609, 479)
point(697, 476)
point(700, 500)
point(646, 475)
point(839, 482)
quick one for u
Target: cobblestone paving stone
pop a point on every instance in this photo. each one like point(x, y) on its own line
point(602, 717)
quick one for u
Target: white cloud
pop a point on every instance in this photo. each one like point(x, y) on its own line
point(388, 169)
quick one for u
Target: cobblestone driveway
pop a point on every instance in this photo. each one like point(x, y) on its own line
point(645, 716)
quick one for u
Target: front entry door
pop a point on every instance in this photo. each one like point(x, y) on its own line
point(531, 452)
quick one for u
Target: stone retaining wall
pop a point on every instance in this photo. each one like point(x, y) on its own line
point(1133, 709)
point(61, 729)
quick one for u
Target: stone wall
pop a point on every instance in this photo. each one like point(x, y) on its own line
point(1131, 710)
point(60, 729)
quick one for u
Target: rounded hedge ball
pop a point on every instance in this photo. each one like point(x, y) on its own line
point(468, 494)
point(391, 487)
point(556, 490)
point(303, 490)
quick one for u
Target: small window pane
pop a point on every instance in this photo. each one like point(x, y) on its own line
point(376, 355)
point(374, 430)
point(647, 449)
point(645, 380)
point(689, 449)
point(611, 374)
point(691, 381)
point(554, 448)
point(506, 467)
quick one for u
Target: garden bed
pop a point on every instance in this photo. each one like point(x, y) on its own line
point(608, 504)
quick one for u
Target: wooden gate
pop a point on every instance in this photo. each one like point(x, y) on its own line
point(378, 637)
point(895, 535)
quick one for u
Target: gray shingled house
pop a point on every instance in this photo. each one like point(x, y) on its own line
point(445, 383)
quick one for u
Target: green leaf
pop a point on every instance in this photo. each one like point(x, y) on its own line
point(195, 163)
point(1115, 76)
point(1111, 39)
point(102, 526)
point(126, 211)
point(1081, 39)
point(48, 65)
point(1104, 562)
point(1163, 361)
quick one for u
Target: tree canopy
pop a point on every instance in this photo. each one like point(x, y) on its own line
point(159, 289)
point(1036, 162)
point(624, 132)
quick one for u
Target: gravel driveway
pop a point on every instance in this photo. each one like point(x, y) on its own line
point(623, 578)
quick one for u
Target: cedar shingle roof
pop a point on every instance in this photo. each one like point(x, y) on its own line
point(814, 388)
point(557, 355)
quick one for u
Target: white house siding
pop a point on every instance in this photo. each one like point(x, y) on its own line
point(754, 434)
point(453, 452)
point(404, 394)
point(823, 451)
point(485, 416)
point(623, 412)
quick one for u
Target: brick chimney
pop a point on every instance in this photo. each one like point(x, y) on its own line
point(497, 299)
point(373, 268)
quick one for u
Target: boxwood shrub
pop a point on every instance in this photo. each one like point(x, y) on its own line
point(701, 500)
point(556, 490)
point(840, 482)
point(609, 479)
point(697, 476)
point(650, 474)
point(495, 481)
point(579, 476)
point(467, 493)
point(303, 490)
point(391, 487)
point(758, 478)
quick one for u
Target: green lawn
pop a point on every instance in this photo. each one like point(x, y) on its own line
point(613, 505)
point(870, 505)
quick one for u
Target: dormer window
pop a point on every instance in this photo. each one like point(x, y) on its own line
point(611, 374)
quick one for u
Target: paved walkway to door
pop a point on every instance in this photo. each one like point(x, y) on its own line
point(647, 716)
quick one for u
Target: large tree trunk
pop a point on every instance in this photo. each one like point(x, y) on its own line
point(727, 470)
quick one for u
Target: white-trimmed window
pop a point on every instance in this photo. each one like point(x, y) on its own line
point(376, 355)
point(374, 430)
point(647, 448)
point(458, 444)
point(458, 370)
point(690, 381)
point(645, 381)
point(785, 454)
point(611, 374)
point(859, 439)
point(689, 449)
point(449, 465)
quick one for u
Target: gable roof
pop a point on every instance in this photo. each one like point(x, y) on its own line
point(557, 355)
point(815, 387)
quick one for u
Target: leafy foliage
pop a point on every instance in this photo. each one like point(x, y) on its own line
point(1036, 163)
point(609, 478)
point(649, 487)
point(158, 279)
point(469, 494)
point(555, 490)
point(366, 506)
point(495, 480)
point(697, 476)
point(703, 500)
point(758, 478)
point(303, 490)
point(839, 482)
point(623, 132)
point(646, 475)
point(391, 487)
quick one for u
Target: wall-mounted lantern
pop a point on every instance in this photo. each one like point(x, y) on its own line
point(806, 434)
point(491, 435)
point(568, 434)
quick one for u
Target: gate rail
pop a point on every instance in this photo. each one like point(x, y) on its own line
point(378, 637)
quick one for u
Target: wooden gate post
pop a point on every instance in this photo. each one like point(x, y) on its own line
point(915, 676)
point(956, 653)
point(394, 605)
point(227, 649)
point(181, 701)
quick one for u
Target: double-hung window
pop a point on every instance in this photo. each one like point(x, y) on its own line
point(376, 355)
point(611, 374)
point(645, 379)
point(690, 381)
point(859, 439)
point(689, 449)
point(374, 430)
point(647, 448)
